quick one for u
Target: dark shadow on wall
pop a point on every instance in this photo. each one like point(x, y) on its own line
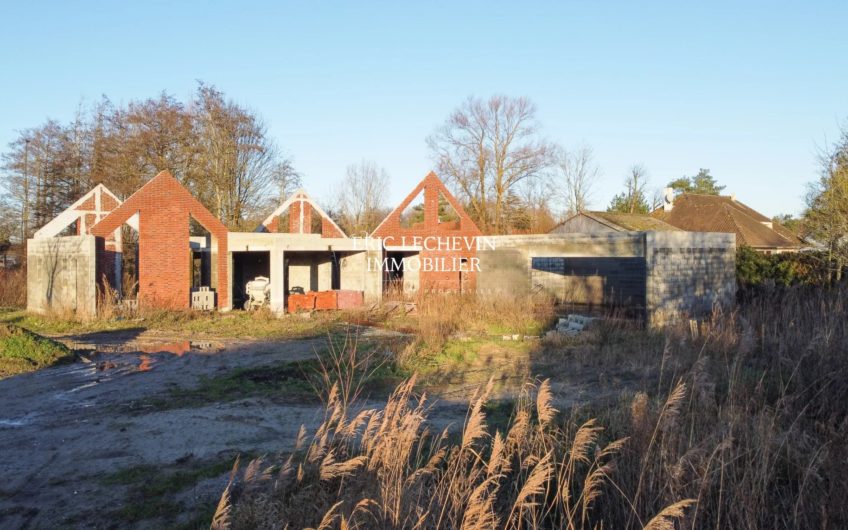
point(606, 282)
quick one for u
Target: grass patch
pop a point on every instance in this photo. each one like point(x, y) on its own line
point(258, 324)
point(151, 490)
point(456, 354)
point(289, 381)
point(24, 351)
point(499, 414)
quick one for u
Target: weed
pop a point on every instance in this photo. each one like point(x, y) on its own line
point(23, 351)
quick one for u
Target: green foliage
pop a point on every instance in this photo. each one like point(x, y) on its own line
point(793, 224)
point(279, 381)
point(826, 218)
point(152, 489)
point(702, 183)
point(755, 269)
point(632, 199)
point(623, 203)
point(23, 351)
point(242, 324)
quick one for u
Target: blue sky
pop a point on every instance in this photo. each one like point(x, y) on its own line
point(748, 90)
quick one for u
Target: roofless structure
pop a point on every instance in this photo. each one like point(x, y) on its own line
point(187, 258)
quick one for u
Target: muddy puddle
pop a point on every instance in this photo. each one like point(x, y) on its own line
point(140, 356)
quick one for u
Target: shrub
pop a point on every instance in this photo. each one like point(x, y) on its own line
point(756, 269)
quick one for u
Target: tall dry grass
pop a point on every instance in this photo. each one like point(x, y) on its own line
point(13, 287)
point(438, 316)
point(759, 440)
point(393, 468)
point(742, 422)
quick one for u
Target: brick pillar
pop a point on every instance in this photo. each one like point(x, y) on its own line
point(431, 207)
point(307, 218)
point(294, 218)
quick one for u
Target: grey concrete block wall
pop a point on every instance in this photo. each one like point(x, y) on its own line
point(689, 273)
point(507, 268)
point(62, 275)
point(684, 274)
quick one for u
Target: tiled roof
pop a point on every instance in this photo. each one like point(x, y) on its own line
point(717, 213)
point(635, 222)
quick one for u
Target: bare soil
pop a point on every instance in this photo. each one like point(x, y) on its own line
point(88, 444)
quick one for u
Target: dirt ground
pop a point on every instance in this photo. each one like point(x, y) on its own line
point(90, 444)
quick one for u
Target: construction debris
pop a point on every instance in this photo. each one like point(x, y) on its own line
point(571, 325)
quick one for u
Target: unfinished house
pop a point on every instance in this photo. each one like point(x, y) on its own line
point(64, 261)
point(658, 275)
point(299, 259)
point(188, 258)
point(309, 260)
point(430, 242)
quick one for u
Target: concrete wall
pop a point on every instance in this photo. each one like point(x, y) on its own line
point(689, 273)
point(62, 275)
point(310, 271)
point(595, 281)
point(682, 274)
point(360, 271)
point(306, 252)
point(508, 267)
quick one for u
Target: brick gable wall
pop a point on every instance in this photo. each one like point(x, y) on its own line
point(164, 256)
point(394, 233)
point(328, 228)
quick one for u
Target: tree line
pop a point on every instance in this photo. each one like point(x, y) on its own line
point(219, 150)
point(492, 152)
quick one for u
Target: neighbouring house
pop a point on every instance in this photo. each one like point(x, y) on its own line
point(186, 258)
point(694, 212)
point(589, 222)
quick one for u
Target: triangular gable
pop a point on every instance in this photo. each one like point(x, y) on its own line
point(161, 187)
point(96, 205)
point(432, 187)
point(299, 196)
point(164, 208)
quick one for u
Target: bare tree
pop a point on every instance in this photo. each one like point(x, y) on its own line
point(579, 173)
point(634, 197)
point(286, 179)
point(485, 149)
point(360, 203)
point(538, 200)
point(239, 164)
point(220, 150)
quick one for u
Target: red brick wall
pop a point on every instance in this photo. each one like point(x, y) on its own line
point(294, 218)
point(164, 207)
point(328, 229)
point(432, 228)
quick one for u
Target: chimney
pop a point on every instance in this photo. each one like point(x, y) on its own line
point(668, 199)
point(733, 197)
